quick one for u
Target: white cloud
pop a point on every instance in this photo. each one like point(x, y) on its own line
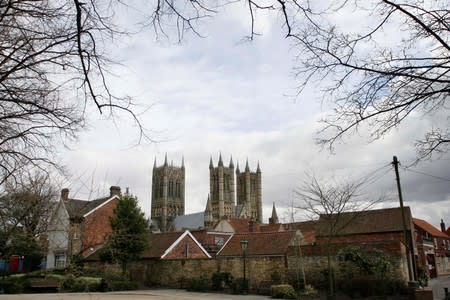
point(212, 95)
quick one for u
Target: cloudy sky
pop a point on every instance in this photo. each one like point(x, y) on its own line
point(220, 95)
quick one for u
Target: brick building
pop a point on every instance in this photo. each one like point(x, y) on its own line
point(78, 227)
point(433, 248)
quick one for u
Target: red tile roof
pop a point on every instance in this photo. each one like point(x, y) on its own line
point(259, 243)
point(271, 227)
point(159, 243)
point(370, 221)
point(429, 228)
point(242, 225)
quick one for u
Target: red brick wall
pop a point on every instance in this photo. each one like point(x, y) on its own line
point(96, 225)
point(186, 248)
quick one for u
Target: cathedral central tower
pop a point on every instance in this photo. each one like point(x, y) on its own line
point(222, 192)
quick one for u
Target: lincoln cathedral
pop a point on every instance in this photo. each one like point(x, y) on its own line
point(232, 194)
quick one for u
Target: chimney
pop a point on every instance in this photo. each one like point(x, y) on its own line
point(114, 191)
point(251, 226)
point(65, 194)
point(442, 226)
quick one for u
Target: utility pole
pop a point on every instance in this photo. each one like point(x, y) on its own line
point(407, 240)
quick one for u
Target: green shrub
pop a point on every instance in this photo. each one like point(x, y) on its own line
point(198, 284)
point(81, 284)
point(14, 284)
point(122, 285)
point(283, 291)
point(309, 291)
point(221, 280)
point(239, 285)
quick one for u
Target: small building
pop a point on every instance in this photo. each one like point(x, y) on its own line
point(433, 248)
point(78, 227)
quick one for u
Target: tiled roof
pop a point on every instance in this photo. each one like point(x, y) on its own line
point(259, 243)
point(309, 237)
point(159, 243)
point(370, 221)
point(210, 240)
point(303, 226)
point(271, 227)
point(242, 225)
point(429, 228)
point(77, 208)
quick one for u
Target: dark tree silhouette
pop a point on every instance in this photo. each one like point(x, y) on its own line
point(53, 63)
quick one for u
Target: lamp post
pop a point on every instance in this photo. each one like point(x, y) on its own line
point(244, 245)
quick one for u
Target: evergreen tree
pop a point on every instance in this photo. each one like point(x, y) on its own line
point(129, 237)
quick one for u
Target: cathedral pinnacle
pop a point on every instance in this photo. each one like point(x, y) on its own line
point(182, 162)
point(237, 168)
point(165, 160)
point(274, 218)
point(258, 170)
point(231, 162)
point(220, 160)
point(154, 163)
point(247, 168)
point(211, 163)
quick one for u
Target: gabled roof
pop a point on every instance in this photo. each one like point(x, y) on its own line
point(429, 228)
point(79, 208)
point(159, 242)
point(259, 244)
point(162, 243)
point(212, 241)
point(370, 221)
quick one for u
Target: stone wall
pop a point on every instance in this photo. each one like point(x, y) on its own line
point(175, 273)
point(313, 258)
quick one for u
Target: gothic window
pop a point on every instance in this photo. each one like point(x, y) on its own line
point(178, 189)
point(171, 188)
point(155, 189)
point(161, 187)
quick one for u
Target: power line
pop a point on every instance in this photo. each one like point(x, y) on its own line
point(426, 174)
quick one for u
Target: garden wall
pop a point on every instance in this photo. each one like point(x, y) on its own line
point(175, 273)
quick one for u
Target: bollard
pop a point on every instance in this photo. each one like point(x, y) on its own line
point(446, 293)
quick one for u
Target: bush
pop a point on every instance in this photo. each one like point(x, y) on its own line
point(239, 285)
point(81, 284)
point(198, 284)
point(122, 285)
point(14, 284)
point(283, 291)
point(221, 280)
point(309, 291)
point(371, 287)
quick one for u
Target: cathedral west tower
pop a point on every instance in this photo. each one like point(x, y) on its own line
point(222, 192)
point(167, 193)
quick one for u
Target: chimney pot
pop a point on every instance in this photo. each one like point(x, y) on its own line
point(65, 194)
point(442, 226)
point(114, 191)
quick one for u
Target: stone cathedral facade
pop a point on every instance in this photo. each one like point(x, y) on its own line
point(232, 194)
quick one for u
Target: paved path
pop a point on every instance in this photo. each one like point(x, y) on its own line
point(135, 295)
point(438, 284)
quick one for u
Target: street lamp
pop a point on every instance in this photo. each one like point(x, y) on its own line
point(244, 245)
